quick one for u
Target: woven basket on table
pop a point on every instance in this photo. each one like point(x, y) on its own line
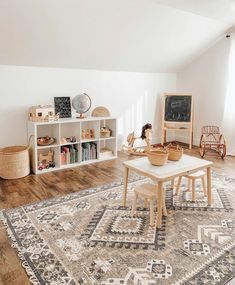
point(14, 161)
point(175, 151)
point(158, 156)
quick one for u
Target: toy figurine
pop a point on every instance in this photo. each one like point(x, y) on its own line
point(46, 160)
point(146, 135)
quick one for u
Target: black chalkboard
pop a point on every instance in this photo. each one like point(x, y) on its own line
point(178, 108)
point(63, 106)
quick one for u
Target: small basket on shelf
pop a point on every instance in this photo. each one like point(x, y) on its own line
point(158, 155)
point(105, 132)
point(44, 141)
point(175, 151)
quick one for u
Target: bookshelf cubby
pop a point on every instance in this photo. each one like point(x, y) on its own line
point(72, 136)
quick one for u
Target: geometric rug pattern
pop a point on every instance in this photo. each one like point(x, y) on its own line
point(89, 238)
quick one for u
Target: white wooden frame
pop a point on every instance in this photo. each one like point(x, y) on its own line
point(179, 125)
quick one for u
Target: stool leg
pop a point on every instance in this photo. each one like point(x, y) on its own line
point(145, 202)
point(164, 211)
point(134, 205)
point(189, 184)
point(204, 186)
point(178, 186)
point(193, 191)
point(173, 183)
point(151, 212)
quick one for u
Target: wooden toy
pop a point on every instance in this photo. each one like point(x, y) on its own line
point(46, 160)
point(42, 113)
point(146, 135)
point(212, 139)
point(88, 134)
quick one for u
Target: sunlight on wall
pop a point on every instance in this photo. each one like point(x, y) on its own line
point(133, 118)
point(229, 110)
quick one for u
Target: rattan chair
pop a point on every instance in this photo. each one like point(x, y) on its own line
point(212, 139)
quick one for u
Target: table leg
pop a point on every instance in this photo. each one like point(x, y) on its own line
point(164, 136)
point(209, 197)
point(164, 211)
point(159, 203)
point(126, 173)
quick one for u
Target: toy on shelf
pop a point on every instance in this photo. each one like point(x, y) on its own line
point(43, 141)
point(42, 113)
point(46, 161)
point(212, 139)
point(146, 135)
point(105, 132)
point(88, 134)
point(71, 139)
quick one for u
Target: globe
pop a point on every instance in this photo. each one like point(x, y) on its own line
point(81, 103)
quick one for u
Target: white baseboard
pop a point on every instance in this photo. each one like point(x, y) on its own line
point(185, 139)
point(157, 140)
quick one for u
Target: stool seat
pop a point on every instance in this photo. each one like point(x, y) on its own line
point(192, 178)
point(198, 174)
point(146, 190)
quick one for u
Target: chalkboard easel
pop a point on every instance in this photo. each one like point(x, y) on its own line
point(177, 115)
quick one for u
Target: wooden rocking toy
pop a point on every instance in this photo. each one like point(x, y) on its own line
point(212, 139)
point(146, 135)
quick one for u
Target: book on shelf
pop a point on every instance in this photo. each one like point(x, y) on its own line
point(89, 151)
point(69, 154)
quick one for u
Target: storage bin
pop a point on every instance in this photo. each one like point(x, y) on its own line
point(15, 161)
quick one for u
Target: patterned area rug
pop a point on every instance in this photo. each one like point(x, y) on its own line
point(88, 238)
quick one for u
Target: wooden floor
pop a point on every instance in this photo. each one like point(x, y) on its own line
point(34, 188)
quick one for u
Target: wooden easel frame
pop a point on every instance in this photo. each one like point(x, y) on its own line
point(188, 126)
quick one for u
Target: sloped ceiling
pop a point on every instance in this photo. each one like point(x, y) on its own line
point(126, 35)
point(222, 10)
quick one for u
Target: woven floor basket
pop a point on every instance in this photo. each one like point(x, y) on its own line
point(14, 162)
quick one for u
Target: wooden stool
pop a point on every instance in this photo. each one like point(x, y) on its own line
point(148, 192)
point(199, 174)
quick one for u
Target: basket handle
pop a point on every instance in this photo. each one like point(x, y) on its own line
point(173, 144)
point(30, 141)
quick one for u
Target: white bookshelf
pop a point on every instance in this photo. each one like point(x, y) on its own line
point(65, 128)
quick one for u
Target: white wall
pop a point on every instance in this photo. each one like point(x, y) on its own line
point(133, 97)
point(206, 78)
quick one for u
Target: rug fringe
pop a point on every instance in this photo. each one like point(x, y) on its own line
point(32, 278)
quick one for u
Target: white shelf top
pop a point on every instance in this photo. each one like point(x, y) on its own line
point(72, 120)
